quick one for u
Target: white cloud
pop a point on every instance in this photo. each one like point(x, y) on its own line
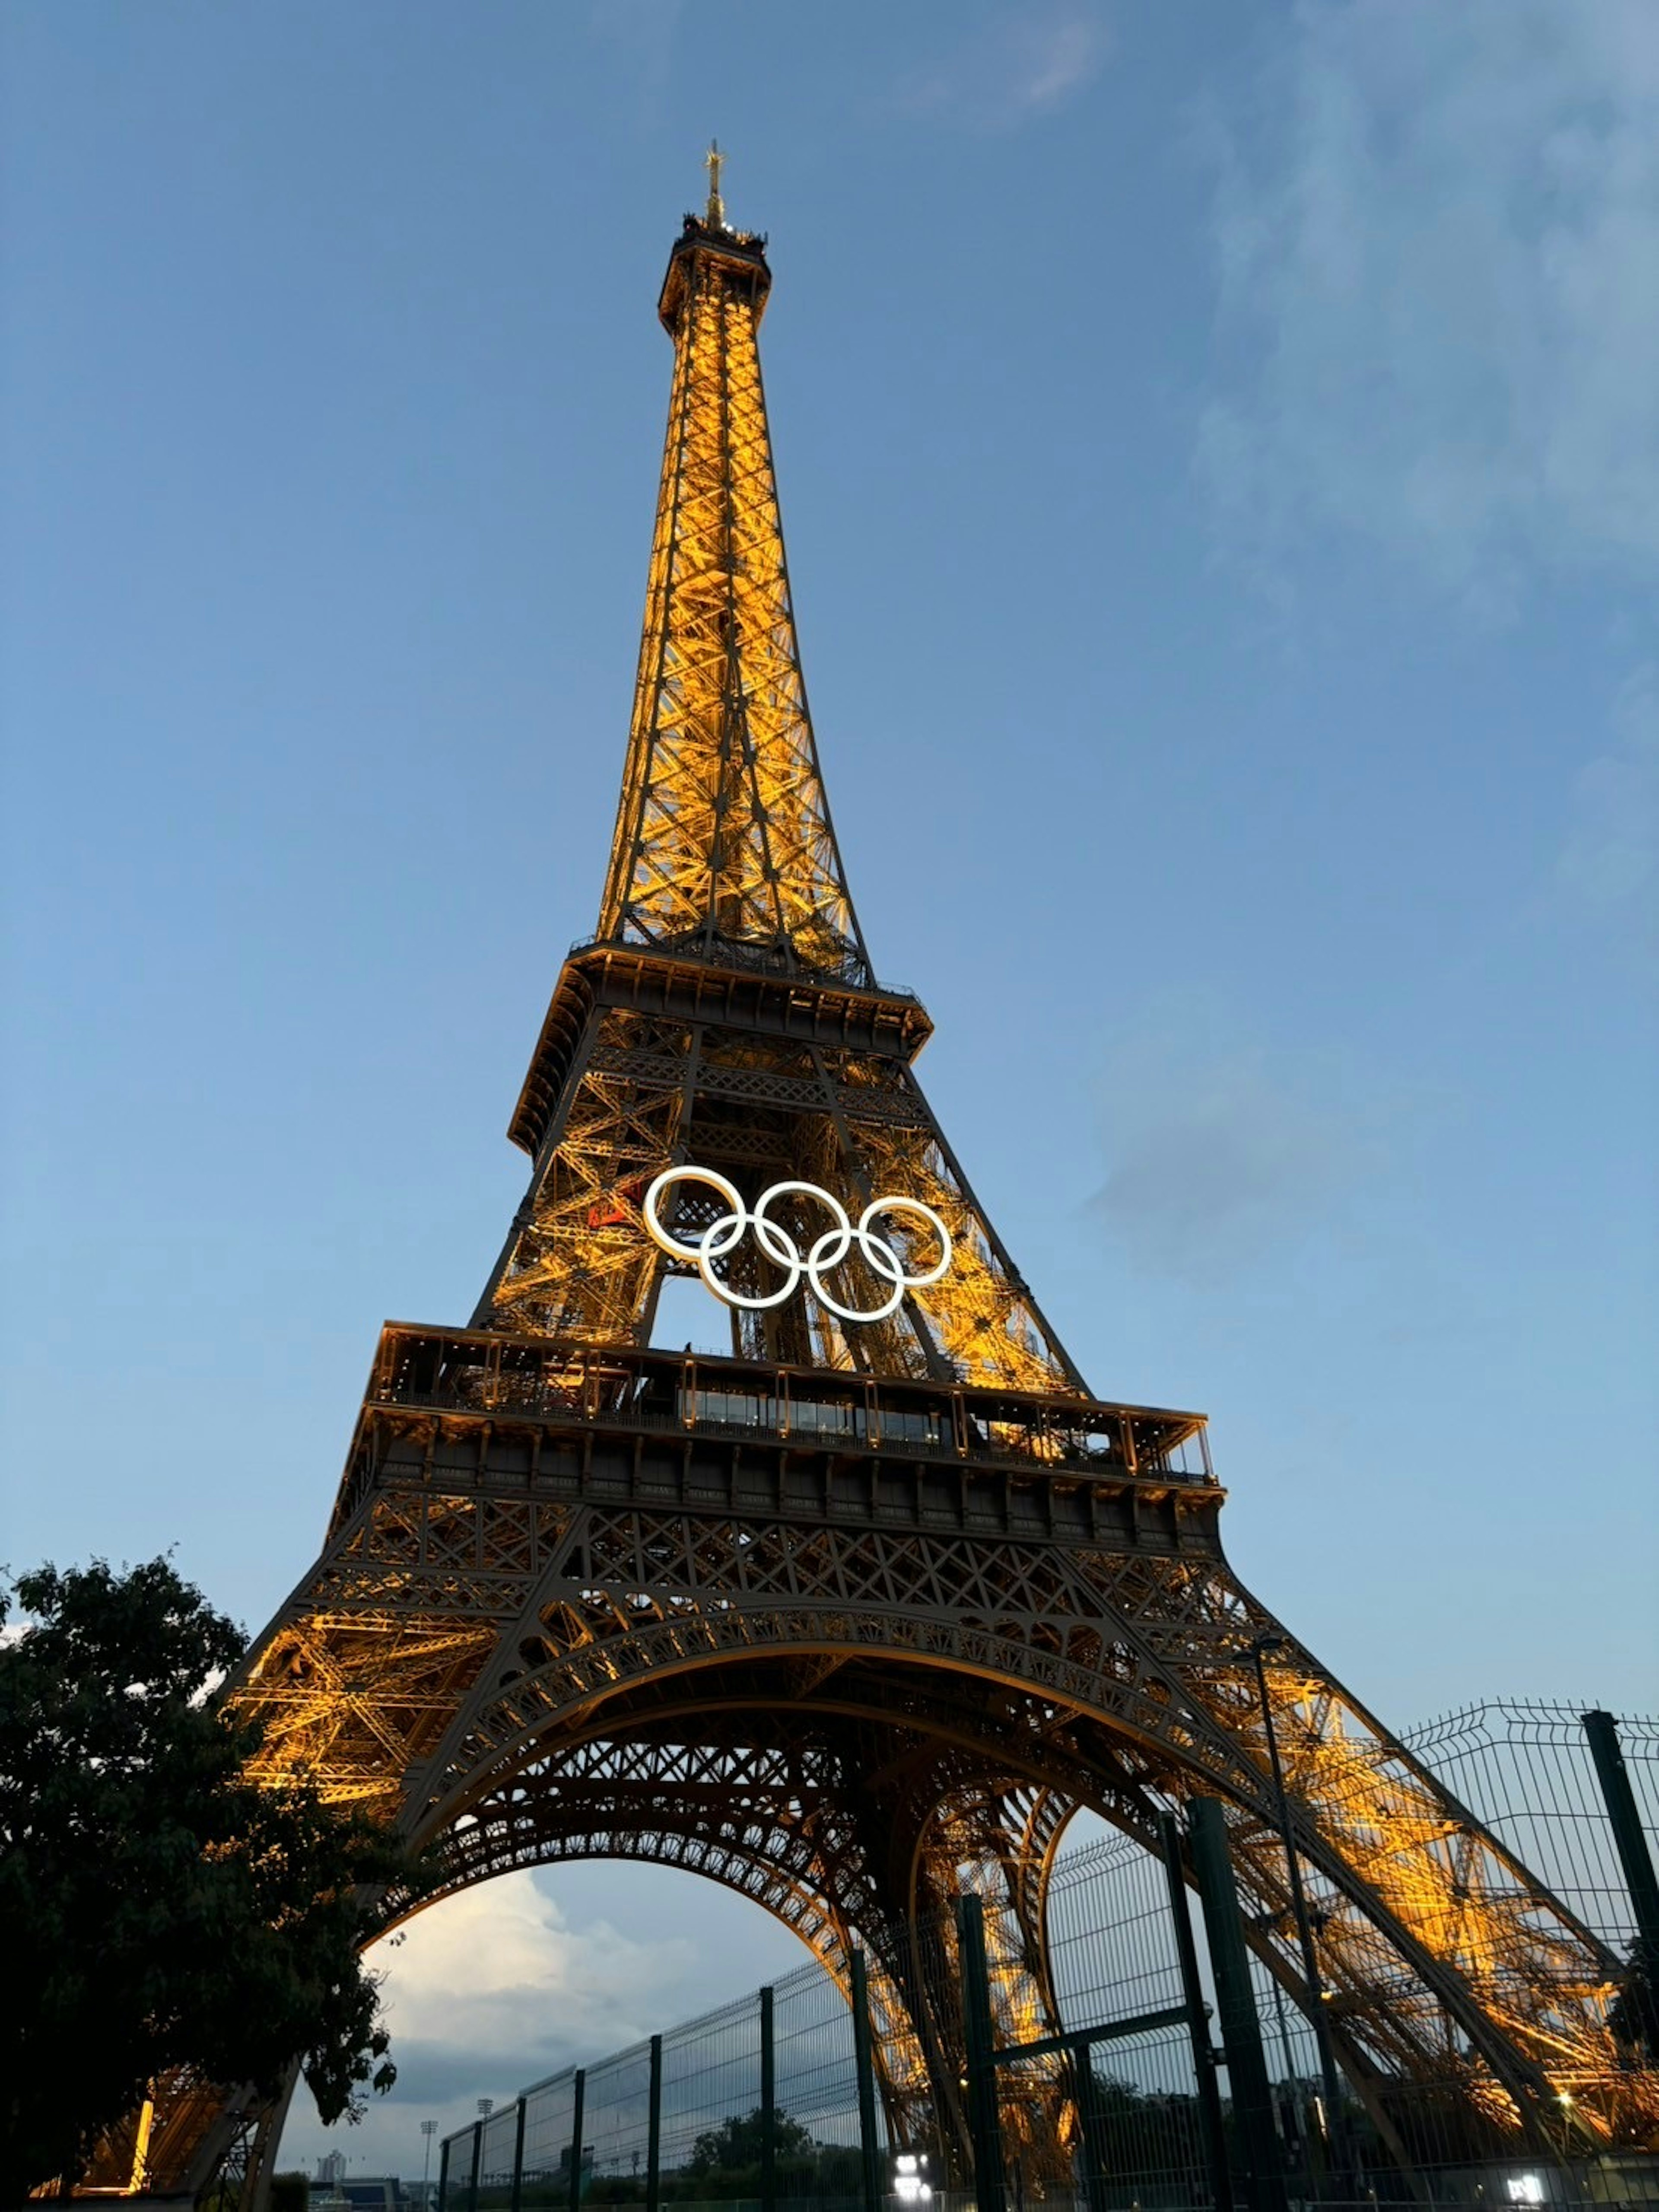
point(1437, 230)
point(486, 1992)
point(502, 1986)
point(498, 1968)
point(1020, 64)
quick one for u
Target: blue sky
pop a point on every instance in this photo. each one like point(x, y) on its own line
point(1219, 450)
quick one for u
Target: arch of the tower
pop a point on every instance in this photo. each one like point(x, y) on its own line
point(745, 1790)
point(771, 1818)
point(961, 1738)
point(971, 1651)
point(849, 1829)
point(977, 1719)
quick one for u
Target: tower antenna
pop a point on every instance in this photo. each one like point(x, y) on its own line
point(713, 160)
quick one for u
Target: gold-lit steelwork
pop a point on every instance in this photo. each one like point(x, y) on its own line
point(723, 834)
point(726, 1012)
point(861, 1614)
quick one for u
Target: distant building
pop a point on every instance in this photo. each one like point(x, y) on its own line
point(330, 2169)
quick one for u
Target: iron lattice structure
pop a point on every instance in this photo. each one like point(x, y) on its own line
point(859, 1615)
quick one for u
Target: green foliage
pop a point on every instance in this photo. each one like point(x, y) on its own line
point(1132, 2131)
point(725, 2168)
point(158, 1911)
point(735, 2145)
point(725, 2165)
point(289, 2192)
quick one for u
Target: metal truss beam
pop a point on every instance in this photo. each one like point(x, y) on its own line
point(852, 1620)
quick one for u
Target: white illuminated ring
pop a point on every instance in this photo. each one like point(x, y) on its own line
point(779, 1247)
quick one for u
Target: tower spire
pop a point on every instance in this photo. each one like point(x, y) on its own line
point(713, 160)
point(723, 846)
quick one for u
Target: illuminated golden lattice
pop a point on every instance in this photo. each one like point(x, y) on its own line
point(850, 1621)
point(723, 833)
point(724, 856)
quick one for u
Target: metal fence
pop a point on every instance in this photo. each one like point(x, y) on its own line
point(1526, 1770)
point(680, 2118)
point(1091, 2069)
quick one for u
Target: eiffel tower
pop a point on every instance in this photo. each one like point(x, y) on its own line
point(856, 1617)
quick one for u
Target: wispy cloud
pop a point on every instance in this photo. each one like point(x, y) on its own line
point(1222, 1154)
point(1016, 65)
point(1436, 230)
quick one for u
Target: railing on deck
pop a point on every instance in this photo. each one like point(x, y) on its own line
point(478, 1371)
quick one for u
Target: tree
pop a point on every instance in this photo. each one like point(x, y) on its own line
point(158, 1911)
point(1136, 2134)
point(736, 2144)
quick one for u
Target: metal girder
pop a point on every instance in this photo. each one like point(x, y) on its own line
point(1042, 1655)
point(723, 834)
point(851, 1621)
point(643, 1093)
point(727, 1009)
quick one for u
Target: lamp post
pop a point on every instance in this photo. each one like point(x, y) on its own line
point(1328, 2075)
point(428, 2129)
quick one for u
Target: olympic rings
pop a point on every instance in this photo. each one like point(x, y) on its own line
point(827, 1252)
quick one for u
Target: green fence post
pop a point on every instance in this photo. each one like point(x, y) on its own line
point(864, 2067)
point(984, 2123)
point(1636, 1861)
point(577, 2115)
point(769, 2087)
point(1095, 2149)
point(477, 2158)
point(1241, 2031)
point(517, 2156)
point(653, 2132)
point(1198, 2024)
point(443, 2175)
